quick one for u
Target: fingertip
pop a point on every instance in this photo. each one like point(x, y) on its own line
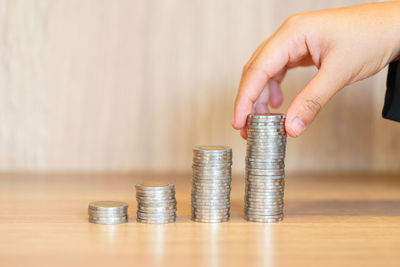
point(243, 133)
point(242, 110)
point(276, 96)
point(295, 127)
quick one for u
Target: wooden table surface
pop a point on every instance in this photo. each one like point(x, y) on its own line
point(331, 220)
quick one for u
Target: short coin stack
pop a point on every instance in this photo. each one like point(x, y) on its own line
point(211, 183)
point(108, 212)
point(156, 202)
point(265, 167)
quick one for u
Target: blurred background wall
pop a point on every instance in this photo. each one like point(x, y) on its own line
point(133, 85)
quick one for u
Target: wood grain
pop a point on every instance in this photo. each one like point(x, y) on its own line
point(330, 220)
point(133, 85)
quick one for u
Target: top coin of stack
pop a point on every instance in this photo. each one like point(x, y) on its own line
point(211, 183)
point(156, 202)
point(108, 212)
point(266, 145)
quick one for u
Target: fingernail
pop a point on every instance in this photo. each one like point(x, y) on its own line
point(297, 126)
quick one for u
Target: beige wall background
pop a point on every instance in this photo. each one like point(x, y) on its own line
point(133, 85)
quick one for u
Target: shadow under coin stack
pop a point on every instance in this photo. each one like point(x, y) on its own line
point(265, 167)
point(108, 212)
point(156, 202)
point(211, 183)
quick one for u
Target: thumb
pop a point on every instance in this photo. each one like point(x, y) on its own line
point(309, 102)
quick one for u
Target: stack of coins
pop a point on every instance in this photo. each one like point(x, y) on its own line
point(211, 183)
point(108, 212)
point(156, 202)
point(265, 167)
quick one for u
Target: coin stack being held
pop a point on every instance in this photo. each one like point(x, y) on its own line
point(108, 212)
point(211, 183)
point(265, 167)
point(156, 202)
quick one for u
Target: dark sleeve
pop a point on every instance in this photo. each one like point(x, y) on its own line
point(391, 108)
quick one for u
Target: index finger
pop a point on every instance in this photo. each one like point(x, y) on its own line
point(271, 59)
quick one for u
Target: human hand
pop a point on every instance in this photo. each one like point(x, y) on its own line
point(345, 44)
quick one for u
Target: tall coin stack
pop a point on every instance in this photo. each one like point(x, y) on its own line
point(265, 167)
point(156, 202)
point(108, 212)
point(211, 183)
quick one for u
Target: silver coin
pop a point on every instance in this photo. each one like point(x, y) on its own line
point(146, 214)
point(263, 201)
point(211, 184)
point(210, 221)
point(261, 160)
point(266, 156)
point(260, 153)
point(266, 133)
point(219, 186)
point(107, 218)
point(155, 218)
point(263, 194)
point(211, 180)
point(154, 186)
point(107, 222)
point(155, 221)
point(251, 187)
point(274, 216)
point(263, 220)
point(267, 116)
point(156, 204)
point(156, 191)
point(258, 206)
point(265, 129)
point(208, 206)
point(265, 167)
point(108, 205)
point(264, 189)
point(211, 210)
point(212, 172)
point(263, 210)
point(212, 160)
point(261, 172)
point(155, 196)
point(159, 214)
point(211, 167)
point(264, 186)
point(209, 203)
point(258, 141)
point(216, 186)
point(202, 192)
point(144, 208)
point(210, 190)
point(169, 218)
point(276, 149)
point(149, 212)
point(211, 149)
point(107, 215)
point(263, 178)
point(260, 124)
point(211, 218)
point(205, 198)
